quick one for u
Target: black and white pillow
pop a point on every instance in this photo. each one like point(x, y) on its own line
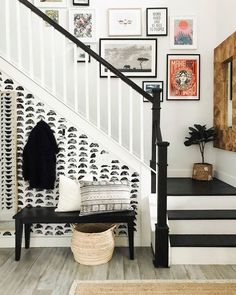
point(102, 196)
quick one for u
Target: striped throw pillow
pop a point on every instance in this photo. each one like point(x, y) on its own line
point(102, 196)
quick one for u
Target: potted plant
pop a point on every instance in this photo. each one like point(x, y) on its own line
point(200, 135)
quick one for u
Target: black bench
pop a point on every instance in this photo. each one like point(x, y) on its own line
point(28, 216)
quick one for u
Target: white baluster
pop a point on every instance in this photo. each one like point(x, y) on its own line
point(141, 130)
point(53, 57)
point(75, 79)
point(18, 29)
point(120, 111)
point(131, 119)
point(42, 51)
point(86, 87)
point(109, 101)
point(7, 16)
point(98, 97)
point(30, 36)
point(64, 53)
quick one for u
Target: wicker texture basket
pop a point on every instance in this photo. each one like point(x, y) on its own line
point(202, 171)
point(93, 243)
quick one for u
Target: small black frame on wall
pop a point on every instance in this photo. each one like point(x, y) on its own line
point(148, 86)
point(157, 21)
point(81, 2)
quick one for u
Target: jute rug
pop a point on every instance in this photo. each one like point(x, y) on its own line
point(210, 287)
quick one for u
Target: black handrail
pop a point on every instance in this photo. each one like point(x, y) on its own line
point(87, 49)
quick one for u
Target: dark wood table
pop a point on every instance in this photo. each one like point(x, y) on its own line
point(28, 216)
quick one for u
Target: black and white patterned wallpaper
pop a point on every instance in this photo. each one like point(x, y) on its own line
point(79, 156)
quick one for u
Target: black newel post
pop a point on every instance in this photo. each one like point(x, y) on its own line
point(162, 230)
point(155, 133)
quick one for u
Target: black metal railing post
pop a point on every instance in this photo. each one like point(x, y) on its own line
point(162, 229)
point(156, 108)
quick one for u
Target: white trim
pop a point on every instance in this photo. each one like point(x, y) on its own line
point(230, 179)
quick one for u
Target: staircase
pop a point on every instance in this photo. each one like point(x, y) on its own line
point(202, 221)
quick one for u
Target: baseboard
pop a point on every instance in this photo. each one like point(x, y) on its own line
point(9, 242)
point(230, 179)
point(179, 172)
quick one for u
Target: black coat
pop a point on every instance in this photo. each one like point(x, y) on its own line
point(39, 157)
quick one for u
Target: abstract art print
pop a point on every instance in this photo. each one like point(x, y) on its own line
point(82, 24)
point(156, 21)
point(50, 3)
point(55, 14)
point(183, 77)
point(148, 86)
point(125, 22)
point(183, 32)
point(133, 57)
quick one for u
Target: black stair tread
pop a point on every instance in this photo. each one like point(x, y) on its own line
point(201, 214)
point(191, 187)
point(203, 240)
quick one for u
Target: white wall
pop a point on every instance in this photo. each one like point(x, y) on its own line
point(176, 116)
point(225, 26)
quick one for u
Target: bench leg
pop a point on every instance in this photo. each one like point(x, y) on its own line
point(27, 235)
point(131, 239)
point(18, 238)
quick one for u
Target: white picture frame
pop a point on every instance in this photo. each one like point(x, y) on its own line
point(81, 56)
point(87, 18)
point(56, 14)
point(183, 32)
point(124, 22)
point(51, 3)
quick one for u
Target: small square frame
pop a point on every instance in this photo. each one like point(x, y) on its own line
point(81, 2)
point(47, 4)
point(80, 55)
point(157, 21)
point(152, 85)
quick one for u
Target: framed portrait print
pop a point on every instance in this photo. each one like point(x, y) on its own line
point(148, 86)
point(81, 55)
point(125, 22)
point(50, 3)
point(82, 24)
point(133, 57)
point(81, 2)
point(183, 32)
point(183, 77)
point(156, 21)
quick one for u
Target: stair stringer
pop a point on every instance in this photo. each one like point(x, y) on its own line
point(117, 151)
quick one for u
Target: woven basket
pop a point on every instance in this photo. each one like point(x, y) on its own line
point(202, 171)
point(93, 243)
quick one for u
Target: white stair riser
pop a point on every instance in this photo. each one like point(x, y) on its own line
point(202, 226)
point(199, 255)
point(201, 202)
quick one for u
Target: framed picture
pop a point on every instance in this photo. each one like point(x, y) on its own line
point(50, 3)
point(183, 32)
point(81, 2)
point(183, 77)
point(82, 24)
point(56, 15)
point(133, 57)
point(125, 22)
point(148, 86)
point(156, 21)
point(81, 55)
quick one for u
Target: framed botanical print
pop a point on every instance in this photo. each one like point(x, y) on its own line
point(50, 3)
point(82, 24)
point(81, 2)
point(133, 57)
point(148, 86)
point(81, 55)
point(183, 77)
point(156, 21)
point(57, 15)
point(125, 22)
point(183, 32)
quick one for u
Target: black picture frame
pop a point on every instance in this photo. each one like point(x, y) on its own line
point(189, 66)
point(130, 70)
point(80, 4)
point(149, 92)
point(157, 30)
point(89, 59)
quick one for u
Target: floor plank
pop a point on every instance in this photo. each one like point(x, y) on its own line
point(115, 266)
point(211, 272)
point(131, 268)
point(145, 263)
point(4, 255)
point(194, 272)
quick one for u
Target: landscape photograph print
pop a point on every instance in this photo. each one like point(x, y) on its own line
point(50, 3)
point(133, 57)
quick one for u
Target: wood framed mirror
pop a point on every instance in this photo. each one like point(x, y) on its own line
point(225, 94)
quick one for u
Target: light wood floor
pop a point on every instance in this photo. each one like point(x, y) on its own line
point(51, 271)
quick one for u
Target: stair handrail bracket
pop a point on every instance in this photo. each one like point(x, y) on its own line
point(160, 149)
